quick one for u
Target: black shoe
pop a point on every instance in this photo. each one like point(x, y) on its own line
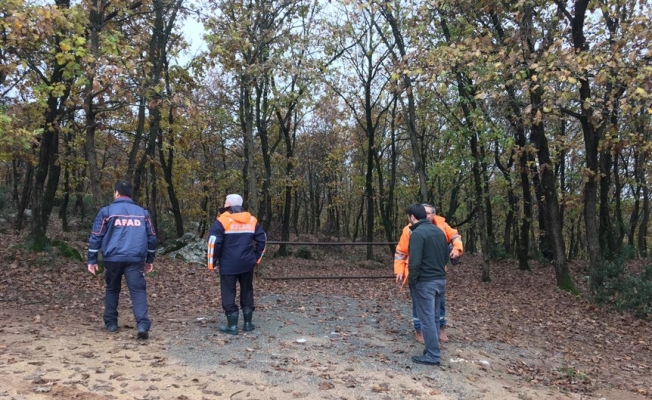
point(111, 328)
point(142, 334)
point(425, 360)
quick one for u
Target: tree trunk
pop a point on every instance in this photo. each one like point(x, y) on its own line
point(289, 132)
point(465, 89)
point(250, 194)
point(295, 213)
point(645, 218)
point(511, 198)
point(591, 141)
point(165, 14)
point(46, 179)
point(526, 223)
point(206, 194)
point(168, 165)
point(542, 234)
point(46, 176)
point(153, 199)
point(620, 223)
point(138, 136)
point(550, 223)
point(553, 218)
point(369, 187)
point(489, 217)
point(63, 208)
point(517, 122)
point(262, 111)
point(48, 169)
point(25, 196)
point(633, 218)
point(95, 26)
point(409, 112)
point(150, 149)
point(548, 179)
point(357, 219)
point(606, 234)
point(479, 203)
point(383, 207)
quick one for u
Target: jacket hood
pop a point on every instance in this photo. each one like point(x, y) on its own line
point(231, 209)
point(439, 220)
point(239, 215)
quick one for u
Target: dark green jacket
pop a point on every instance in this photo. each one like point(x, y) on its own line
point(428, 253)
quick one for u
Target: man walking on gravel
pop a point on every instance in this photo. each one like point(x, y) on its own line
point(237, 242)
point(427, 278)
point(123, 232)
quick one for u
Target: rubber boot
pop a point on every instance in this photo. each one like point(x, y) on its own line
point(232, 321)
point(247, 313)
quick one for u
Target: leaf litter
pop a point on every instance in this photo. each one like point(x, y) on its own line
point(519, 336)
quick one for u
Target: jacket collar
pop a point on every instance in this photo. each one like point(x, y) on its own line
point(419, 222)
point(123, 199)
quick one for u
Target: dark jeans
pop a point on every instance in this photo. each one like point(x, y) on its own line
point(228, 285)
point(442, 314)
point(134, 274)
point(427, 298)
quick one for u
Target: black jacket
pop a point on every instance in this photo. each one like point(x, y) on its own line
point(428, 252)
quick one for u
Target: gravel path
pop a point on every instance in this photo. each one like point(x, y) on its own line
point(333, 347)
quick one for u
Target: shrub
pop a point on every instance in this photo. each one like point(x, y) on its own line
point(305, 253)
point(67, 250)
point(5, 199)
point(52, 249)
point(625, 290)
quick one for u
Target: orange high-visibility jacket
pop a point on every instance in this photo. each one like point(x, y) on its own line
point(401, 254)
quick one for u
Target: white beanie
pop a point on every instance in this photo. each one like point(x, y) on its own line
point(234, 200)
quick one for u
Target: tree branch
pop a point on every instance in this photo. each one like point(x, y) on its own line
point(562, 8)
point(571, 113)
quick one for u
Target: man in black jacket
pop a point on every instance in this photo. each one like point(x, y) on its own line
point(236, 242)
point(427, 278)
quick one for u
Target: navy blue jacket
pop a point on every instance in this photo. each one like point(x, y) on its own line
point(123, 232)
point(237, 241)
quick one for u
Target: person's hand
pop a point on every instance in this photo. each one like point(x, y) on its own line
point(399, 278)
point(92, 268)
point(149, 267)
point(455, 253)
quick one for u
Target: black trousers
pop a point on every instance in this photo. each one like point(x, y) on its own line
point(228, 285)
point(135, 276)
